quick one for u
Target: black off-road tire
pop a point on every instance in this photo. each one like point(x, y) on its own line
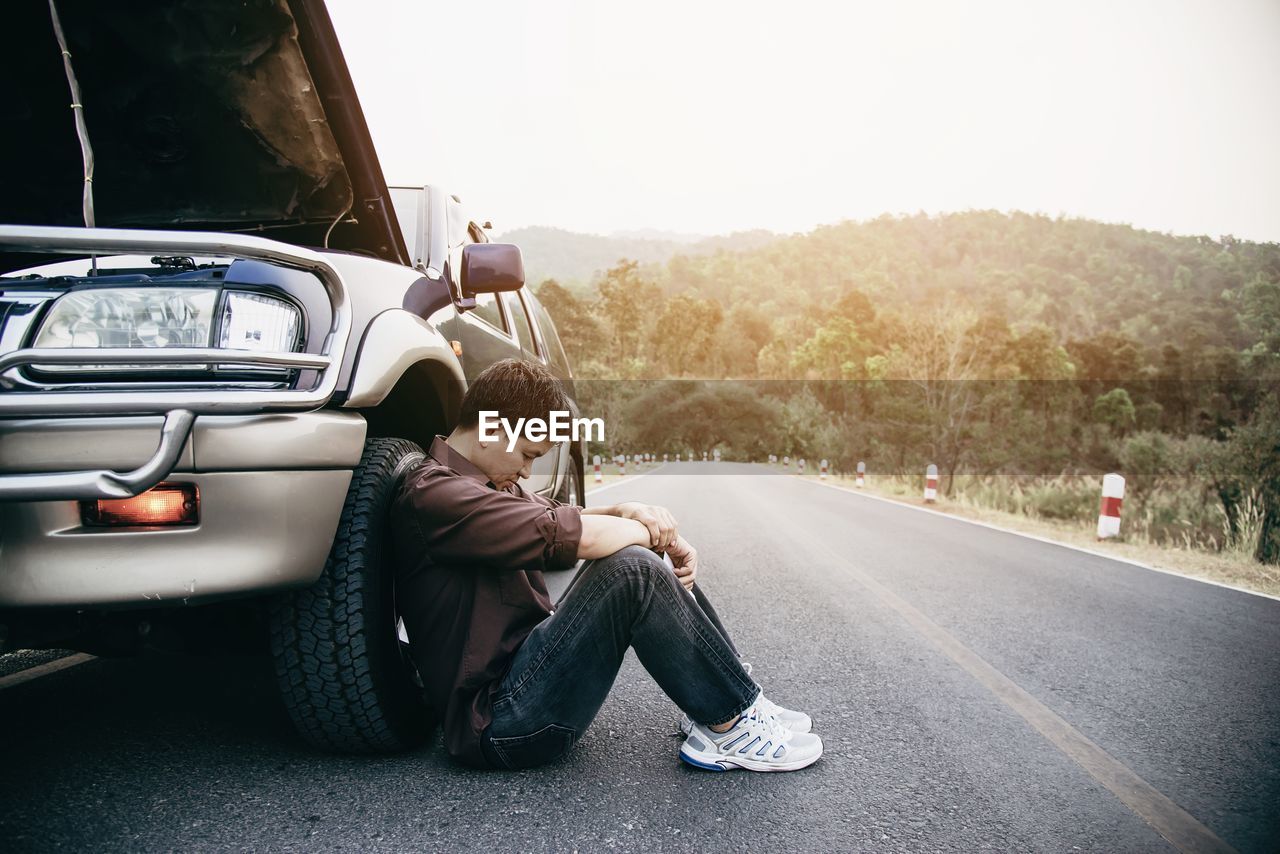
point(339, 664)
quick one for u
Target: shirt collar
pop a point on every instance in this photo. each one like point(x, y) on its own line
point(444, 453)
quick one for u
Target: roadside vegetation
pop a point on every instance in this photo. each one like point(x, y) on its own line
point(1023, 355)
point(1234, 565)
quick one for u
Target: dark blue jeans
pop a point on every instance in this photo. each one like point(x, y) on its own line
point(563, 672)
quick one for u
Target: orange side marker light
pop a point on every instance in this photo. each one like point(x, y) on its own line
point(168, 504)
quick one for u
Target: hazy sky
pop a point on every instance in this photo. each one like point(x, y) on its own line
point(711, 117)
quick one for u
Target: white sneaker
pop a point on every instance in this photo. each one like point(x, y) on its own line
point(792, 720)
point(757, 742)
point(797, 722)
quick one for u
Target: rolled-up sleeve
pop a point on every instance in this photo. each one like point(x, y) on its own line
point(463, 522)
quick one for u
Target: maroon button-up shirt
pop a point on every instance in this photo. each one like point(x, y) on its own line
point(469, 560)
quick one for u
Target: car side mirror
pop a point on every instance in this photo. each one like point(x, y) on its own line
point(490, 268)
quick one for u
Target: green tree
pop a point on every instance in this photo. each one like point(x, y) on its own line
point(683, 338)
point(579, 329)
point(629, 304)
point(1115, 409)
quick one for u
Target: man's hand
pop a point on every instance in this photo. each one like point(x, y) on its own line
point(661, 524)
point(685, 558)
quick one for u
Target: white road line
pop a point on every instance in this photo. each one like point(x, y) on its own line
point(44, 669)
point(1171, 821)
point(1082, 549)
point(631, 479)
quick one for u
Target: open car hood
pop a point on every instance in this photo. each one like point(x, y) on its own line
point(203, 115)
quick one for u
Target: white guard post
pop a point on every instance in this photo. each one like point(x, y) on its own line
point(862, 475)
point(931, 484)
point(1109, 512)
point(822, 470)
point(596, 462)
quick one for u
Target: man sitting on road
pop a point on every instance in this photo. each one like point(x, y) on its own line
point(517, 680)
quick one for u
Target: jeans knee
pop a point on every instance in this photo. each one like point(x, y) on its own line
point(637, 555)
point(635, 564)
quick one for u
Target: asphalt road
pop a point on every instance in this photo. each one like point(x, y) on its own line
point(976, 690)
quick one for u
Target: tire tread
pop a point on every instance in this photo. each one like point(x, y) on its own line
point(338, 694)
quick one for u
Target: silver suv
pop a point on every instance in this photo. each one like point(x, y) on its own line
point(201, 428)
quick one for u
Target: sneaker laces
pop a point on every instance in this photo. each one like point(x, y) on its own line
point(769, 707)
point(766, 724)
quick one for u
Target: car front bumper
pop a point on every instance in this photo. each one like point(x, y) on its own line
point(271, 490)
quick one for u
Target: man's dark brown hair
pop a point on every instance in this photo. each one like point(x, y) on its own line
point(514, 389)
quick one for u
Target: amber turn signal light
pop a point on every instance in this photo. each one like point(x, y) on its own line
point(166, 504)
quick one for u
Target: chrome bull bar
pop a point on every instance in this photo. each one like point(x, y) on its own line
point(105, 483)
point(179, 406)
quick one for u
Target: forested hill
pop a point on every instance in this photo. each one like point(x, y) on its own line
point(575, 259)
point(1151, 303)
point(1078, 277)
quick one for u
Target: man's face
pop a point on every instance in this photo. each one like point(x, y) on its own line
point(505, 467)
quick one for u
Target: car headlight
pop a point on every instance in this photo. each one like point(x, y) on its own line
point(155, 318)
point(258, 322)
point(130, 317)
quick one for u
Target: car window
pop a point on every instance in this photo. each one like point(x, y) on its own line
point(551, 341)
point(520, 320)
point(488, 310)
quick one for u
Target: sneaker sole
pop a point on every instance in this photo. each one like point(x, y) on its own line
point(715, 762)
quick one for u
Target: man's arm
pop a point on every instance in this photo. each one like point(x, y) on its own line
point(602, 535)
point(461, 522)
point(661, 525)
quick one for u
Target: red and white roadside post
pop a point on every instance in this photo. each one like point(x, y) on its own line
point(622, 466)
point(704, 456)
point(1109, 512)
point(802, 466)
point(860, 481)
point(822, 471)
point(715, 455)
point(664, 458)
point(931, 484)
point(599, 475)
point(786, 463)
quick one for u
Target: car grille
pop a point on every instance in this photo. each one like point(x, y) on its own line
point(17, 314)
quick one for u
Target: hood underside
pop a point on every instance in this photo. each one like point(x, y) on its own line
point(202, 115)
